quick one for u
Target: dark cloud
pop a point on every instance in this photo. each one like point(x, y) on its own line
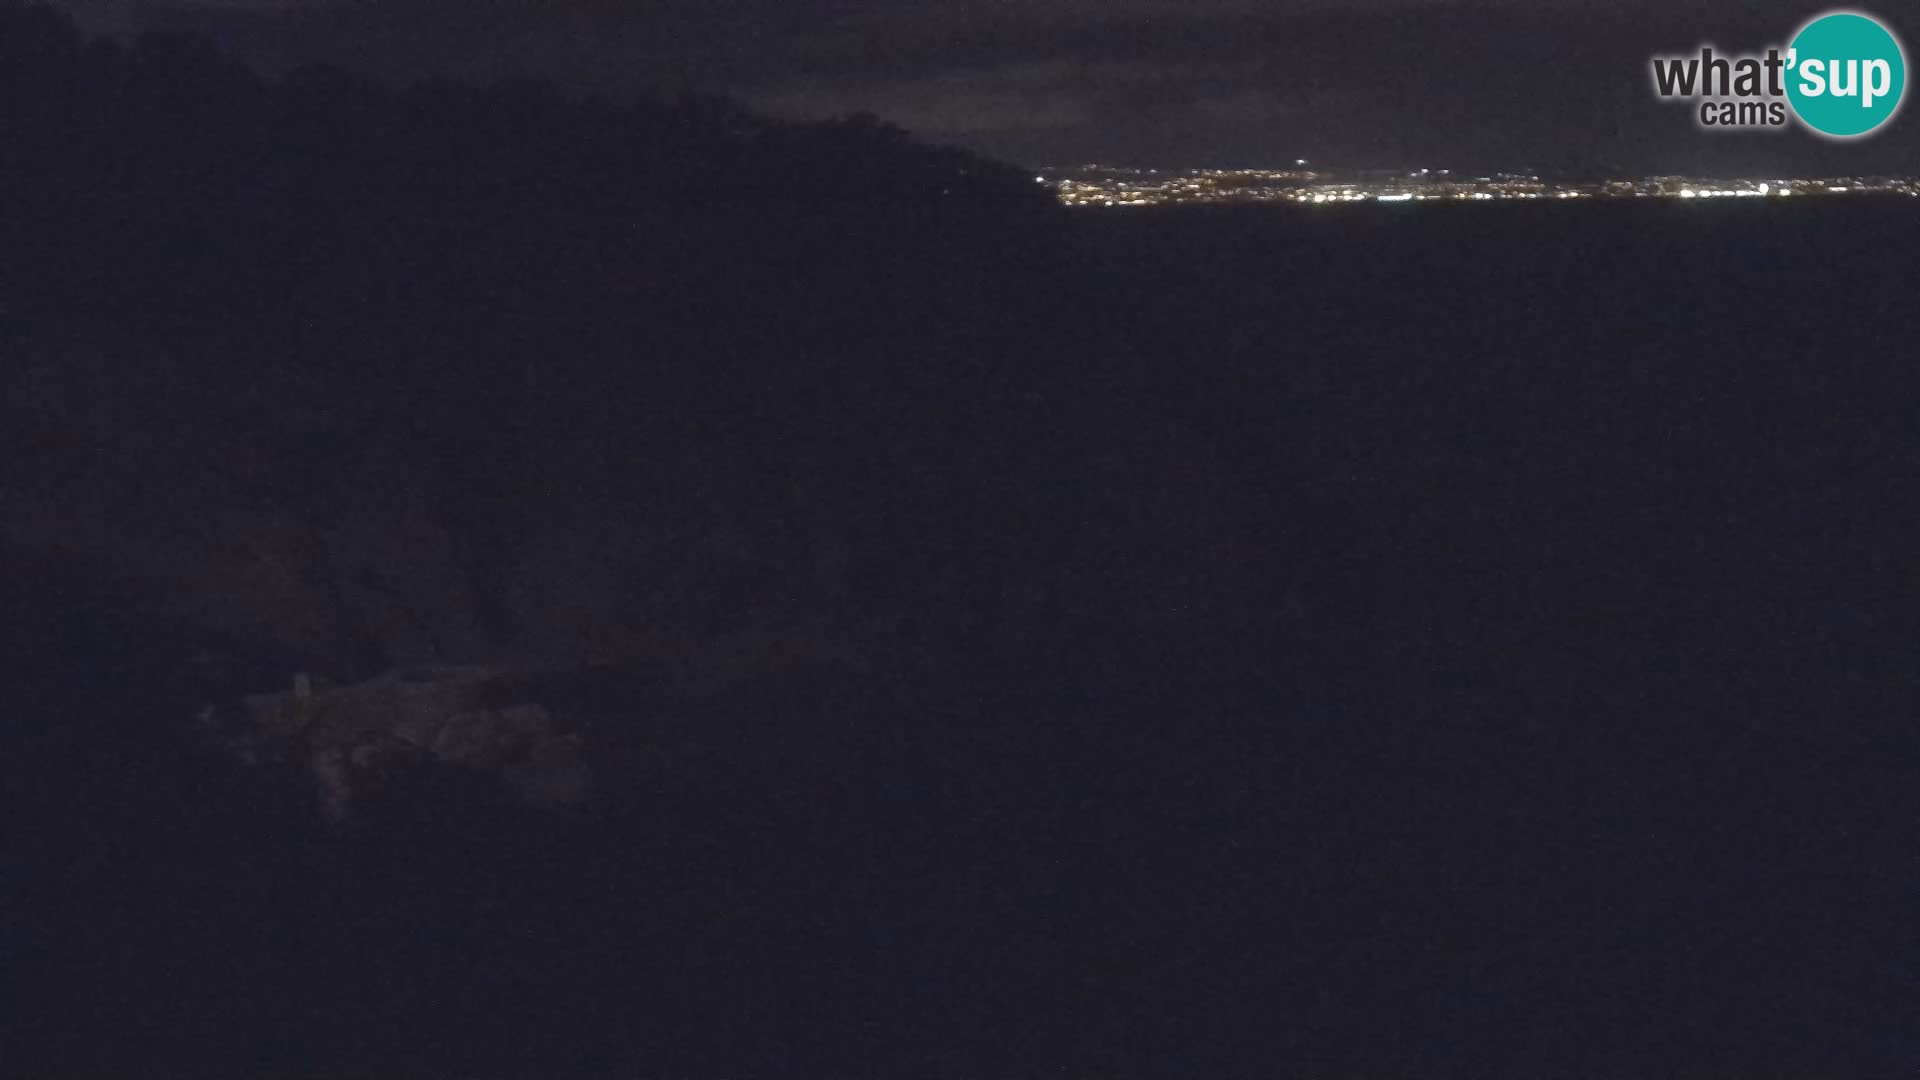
point(1167, 82)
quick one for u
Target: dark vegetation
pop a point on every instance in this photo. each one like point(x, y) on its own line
point(1191, 644)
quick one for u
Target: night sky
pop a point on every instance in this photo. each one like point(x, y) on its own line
point(1467, 84)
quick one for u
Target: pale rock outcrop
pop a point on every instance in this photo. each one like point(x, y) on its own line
point(365, 742)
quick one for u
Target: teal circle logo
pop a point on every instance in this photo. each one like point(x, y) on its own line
point(1846, 75)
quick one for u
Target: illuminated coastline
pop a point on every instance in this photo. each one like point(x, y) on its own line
point(1104, 186)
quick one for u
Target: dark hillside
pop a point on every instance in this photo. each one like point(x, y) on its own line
point(801, 457)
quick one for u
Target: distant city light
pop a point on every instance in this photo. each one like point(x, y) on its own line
point(1095, 185)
